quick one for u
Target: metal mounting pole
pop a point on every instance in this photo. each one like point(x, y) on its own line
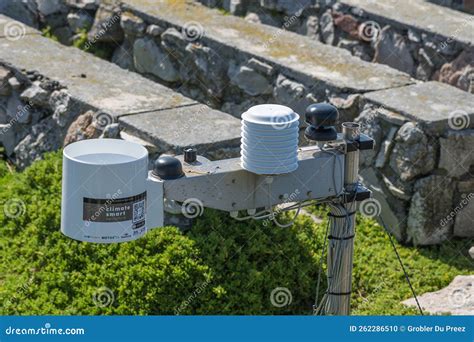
point(341, 233)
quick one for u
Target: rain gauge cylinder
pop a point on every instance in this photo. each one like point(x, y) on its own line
point(104, 194)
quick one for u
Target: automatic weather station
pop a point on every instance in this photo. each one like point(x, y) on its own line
point(109, 195)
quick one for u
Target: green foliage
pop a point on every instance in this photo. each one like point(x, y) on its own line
point(99, 49)
point(221, 266)
point(48, 33)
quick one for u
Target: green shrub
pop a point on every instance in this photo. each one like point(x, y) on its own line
point(220, 266)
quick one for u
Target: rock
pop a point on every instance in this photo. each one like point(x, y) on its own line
point(425, 67)
point(311, 27)
point(173, 41)
point(17, 110)
point(250, 81)
point(149, 58)
point(35, 95)
point(455, 299)
point(287, 91)
point(464, 222)
point(413, 155)
point(348, 107)
point(78, 21)
point(457, 73)
point(413, 36)
point(106, 27)
point(253, 18)
point(132, 25)
point(471, 252)
point(82, 128)
point(235, 7)
point(288, 7)
point(327, 28)
point(47, 7)
point(14, 83)
point(259, 66)
point(456, 155)
point(43, 137)
point(398, 190)
point(384, 154)
point(25, 11)
point(357, 48)
point(346, 23)
point(8, 138)
point(154, 30)
point(369, 125)
point(5, 88)
point(111, 131)
point(391, 49)
point(211, 69)
point(84, 4)
point(64, 35)
point(393, 212)
point(429, 207)
point(59, 103)
point(123, 56)
point(152, 149)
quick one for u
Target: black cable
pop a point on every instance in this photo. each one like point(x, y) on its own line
point(401, 264)
point(320, 268)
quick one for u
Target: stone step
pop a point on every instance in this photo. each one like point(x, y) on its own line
point(435, 105)
point(233, 64)
point(209, 131)
point(421, 15)
point(92, 80)
point(319, 66)
point(45, 86)
point(438, 46)
point(14, 30)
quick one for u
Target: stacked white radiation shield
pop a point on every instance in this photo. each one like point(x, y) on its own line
point(269, 139)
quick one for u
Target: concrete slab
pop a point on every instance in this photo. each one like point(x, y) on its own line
point(14, 30)
point(89, 79)
point(174, 129)
point(422, 15)
point(327, 65)
point(437, 105)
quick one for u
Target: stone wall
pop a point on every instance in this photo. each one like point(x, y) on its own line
point(35, 113)
point(420, 53)
point(422, 168)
